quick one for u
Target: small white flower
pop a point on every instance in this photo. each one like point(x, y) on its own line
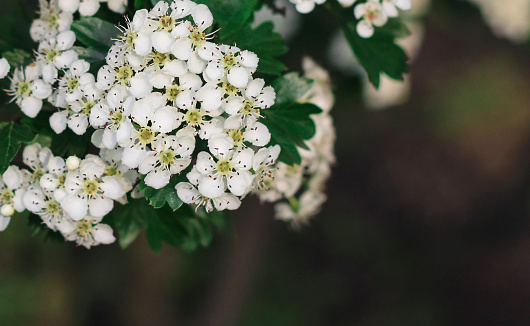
point(370, 14)
point(190, 195)
point(88, 232)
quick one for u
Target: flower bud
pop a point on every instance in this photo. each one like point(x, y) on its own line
point(7, 210)
point(73, 162)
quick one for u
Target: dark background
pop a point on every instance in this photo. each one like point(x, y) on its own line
point(427, 221)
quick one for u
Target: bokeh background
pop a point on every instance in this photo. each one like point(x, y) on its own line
point(427, 221)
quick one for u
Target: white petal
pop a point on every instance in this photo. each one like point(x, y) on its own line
point(78, 124)
point(202, 16)
point(109, 138)
point(258, 134)
point(89, 7)
point(254, 88)
point(249, 59)
point(243, 159)
point(163, 41)
point(365, 29)
point(4, 68)
point(58, 121)
point(186, 192)
point(4, 222)
point(182, 48)
point(103, 234)
point(75, 207)
point(175, 68)
point(212, 187)
point(69, 6)
point(239, 182)
point(196, 65)
point(140, 85)
point(31, 106)
point(65, 59)
point(211, 97)
point(166, 119)
point(143, 44)
point(65, 40)
point(157, 179)
point(112, 187)
point(13, 177)
point(220, 145)
point(99, 207)
point(133, 156)
point(205, 163)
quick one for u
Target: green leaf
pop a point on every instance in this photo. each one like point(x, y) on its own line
point(231, 15)
point(70, 144)
point(291, 87)
point(11, 137)
point(289, 122)
point(17, 57)
point(264, 42)
point(95, 33)
point(379, 53)
point(159, 197)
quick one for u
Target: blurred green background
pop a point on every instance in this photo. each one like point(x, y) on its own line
point(427, 221)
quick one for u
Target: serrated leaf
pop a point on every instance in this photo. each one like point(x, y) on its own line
point(264, 42)
point(230, 15)
point(17, 57)
point(95, 33)
point(379, 53)
point(11, 138)
point(288, 121)
point(291, 87)
point(159, 197)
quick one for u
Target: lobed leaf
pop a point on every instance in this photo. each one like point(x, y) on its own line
point(231, 15)
point(380, 53)
point(263, 41)
point(290, 122)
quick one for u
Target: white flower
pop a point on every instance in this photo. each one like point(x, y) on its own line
point(89, 191)
point(230, 170)
point(52, 20)
point(309, 205)
point(113, 116)
point(192, 37)
point(74, 78)
point(190, 195)
point(88, 232)
point(28, 90)
point(54, 53)
point(170, 155)
point(37, 158)
point(11, 195)
point(370, 14)
point(78, 120)
point(245, 111)
point(232, 64)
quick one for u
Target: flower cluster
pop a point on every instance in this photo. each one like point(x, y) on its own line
point(371, 13)
point(168, 101)
point(70, 196)
point(303, 185)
